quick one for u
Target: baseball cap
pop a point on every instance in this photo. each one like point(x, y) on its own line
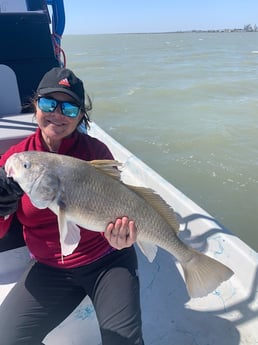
point(60, 79)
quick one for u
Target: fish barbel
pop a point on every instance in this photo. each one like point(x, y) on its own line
point(91, 195)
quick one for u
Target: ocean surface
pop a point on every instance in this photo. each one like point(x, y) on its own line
point(187, 105)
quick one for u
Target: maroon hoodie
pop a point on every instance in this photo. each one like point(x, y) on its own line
point(40, 228)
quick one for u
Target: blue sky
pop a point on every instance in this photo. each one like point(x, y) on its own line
point(119, 16)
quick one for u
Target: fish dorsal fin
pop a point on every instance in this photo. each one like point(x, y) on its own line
point(108, 167)
point(160, 206)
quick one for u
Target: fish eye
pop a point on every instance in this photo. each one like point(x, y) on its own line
point(26, 165)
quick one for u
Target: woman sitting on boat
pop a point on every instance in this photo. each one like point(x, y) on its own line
point(103, 266)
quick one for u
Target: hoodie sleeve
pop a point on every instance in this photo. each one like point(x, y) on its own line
point(6, 155)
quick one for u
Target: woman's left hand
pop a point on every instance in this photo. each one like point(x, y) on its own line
point(122, 233)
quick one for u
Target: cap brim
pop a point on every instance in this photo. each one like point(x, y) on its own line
point(45, 91)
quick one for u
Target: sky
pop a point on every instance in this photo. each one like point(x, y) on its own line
point(130, 16)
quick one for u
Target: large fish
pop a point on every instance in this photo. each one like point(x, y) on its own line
point(91, 194)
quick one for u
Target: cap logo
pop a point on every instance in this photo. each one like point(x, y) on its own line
point(64, 82)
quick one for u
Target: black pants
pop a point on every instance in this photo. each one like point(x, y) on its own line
point(45, 296)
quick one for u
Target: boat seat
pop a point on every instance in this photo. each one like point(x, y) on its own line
point(10, 102)
point(33, 53)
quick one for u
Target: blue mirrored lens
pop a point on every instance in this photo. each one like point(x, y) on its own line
point(69, 109)
point(49, 105)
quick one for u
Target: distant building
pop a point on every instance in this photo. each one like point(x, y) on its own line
point(250, 28)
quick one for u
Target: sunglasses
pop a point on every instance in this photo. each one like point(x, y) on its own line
point(49, 105)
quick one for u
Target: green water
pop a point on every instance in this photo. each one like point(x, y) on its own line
point(187, 105)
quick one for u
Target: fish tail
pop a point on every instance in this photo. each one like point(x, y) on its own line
point(204, 274)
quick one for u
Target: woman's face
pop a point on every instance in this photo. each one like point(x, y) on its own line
point(54, 125)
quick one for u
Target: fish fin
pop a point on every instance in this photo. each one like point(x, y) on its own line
point(107, 166)
point(73, 236)
point(69, 234)
point(44, 190)
point(148, 249)
point(160, 205)
point(204, 274)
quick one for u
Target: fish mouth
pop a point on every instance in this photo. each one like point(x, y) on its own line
point(8, 169)
point(10, 172)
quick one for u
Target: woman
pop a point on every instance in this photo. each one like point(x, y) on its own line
point(103, 266)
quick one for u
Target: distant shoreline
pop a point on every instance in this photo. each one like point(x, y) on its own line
point(168, 32)
point(222, 30)
point(193, 31)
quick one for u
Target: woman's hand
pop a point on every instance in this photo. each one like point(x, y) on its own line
point(10, 194)
point(122, 233)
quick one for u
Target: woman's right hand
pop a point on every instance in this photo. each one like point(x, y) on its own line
point(10, 194)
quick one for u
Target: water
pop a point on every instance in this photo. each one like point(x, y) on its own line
point(187, 105)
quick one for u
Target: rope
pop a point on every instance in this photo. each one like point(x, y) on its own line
point(58, 50)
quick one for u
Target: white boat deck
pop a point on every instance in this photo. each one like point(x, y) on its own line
point(228, 316)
